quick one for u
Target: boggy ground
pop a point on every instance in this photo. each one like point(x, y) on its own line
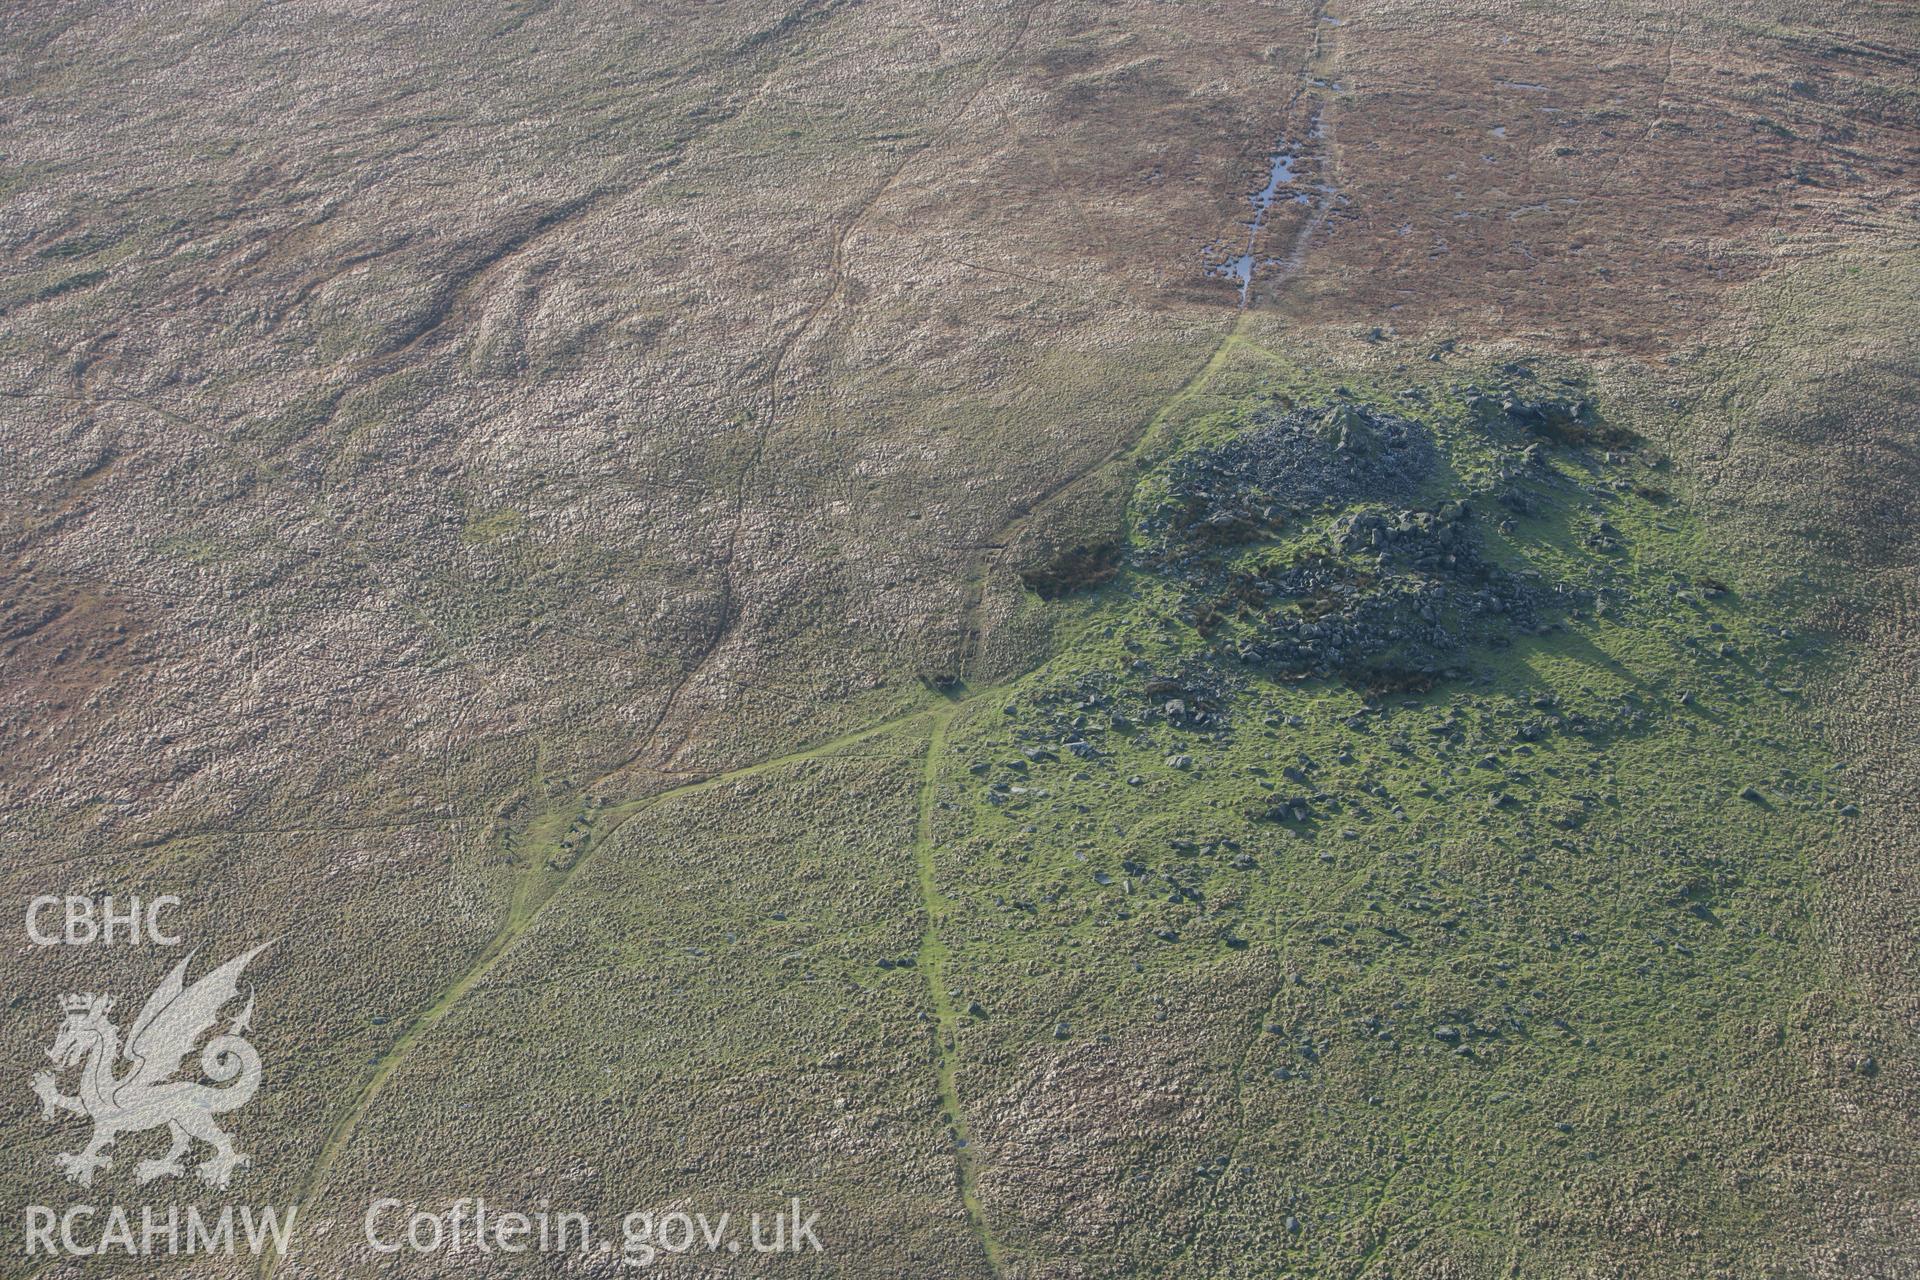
point(440, 441)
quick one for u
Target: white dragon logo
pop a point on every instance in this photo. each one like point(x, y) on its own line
point(148, 1096)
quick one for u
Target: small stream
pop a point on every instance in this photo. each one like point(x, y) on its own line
point(1239, 267)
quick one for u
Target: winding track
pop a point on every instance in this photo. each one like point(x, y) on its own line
point(533, 893)
point(536, 890)
point(932, 964)
point(769, 421)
